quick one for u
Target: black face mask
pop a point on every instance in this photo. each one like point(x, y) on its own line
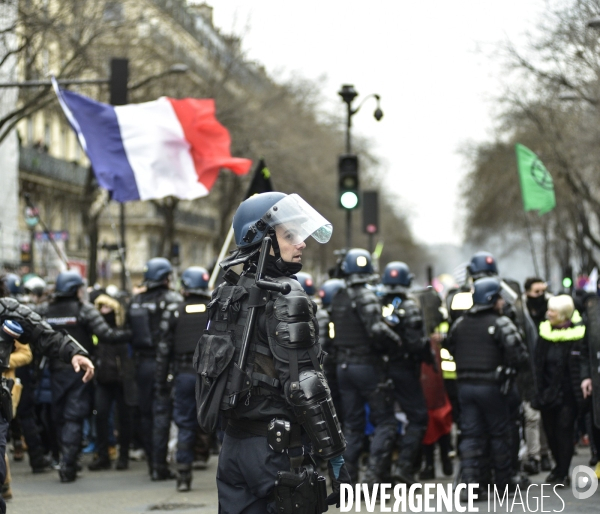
point(537, 304)
point(277, 267)
point(110, 318)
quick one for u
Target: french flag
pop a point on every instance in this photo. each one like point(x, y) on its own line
point(167, 147)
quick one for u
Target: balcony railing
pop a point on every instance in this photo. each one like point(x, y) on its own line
point(40, 163)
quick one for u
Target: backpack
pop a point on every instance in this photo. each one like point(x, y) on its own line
point(218, 350)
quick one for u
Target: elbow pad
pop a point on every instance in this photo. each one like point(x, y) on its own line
point(311, 401)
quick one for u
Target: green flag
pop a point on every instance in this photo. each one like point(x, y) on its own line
point(536, 183)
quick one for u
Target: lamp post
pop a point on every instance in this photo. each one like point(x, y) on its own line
point(348, 94)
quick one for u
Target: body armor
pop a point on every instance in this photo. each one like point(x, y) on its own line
point(145, 316)
point(192, 316)
point(288, 349)
point(476, 348)
point(350, 331)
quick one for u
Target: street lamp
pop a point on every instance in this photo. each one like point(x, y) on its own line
point(348, 184)
point(594, 23)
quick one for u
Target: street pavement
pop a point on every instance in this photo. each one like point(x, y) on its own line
point(131, 492)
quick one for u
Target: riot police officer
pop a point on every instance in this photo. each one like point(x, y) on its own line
point(482, 264)
point(44, 340)
point(487, 348)
point(183, 324)
point(326, 337)
point(404, 367)
point(71, 398)
point(282, 399)
point(361, 340)
point(14, 285)
point(144, 316)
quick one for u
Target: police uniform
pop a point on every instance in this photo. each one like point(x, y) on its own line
point(282, 402)
point(44, 340)
point(404, 369)
point(185, 321)
point(482, 342)
point(72, 398)
point(145, 317)
point(361, 340)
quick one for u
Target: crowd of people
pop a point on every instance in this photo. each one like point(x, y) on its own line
point(501, 379)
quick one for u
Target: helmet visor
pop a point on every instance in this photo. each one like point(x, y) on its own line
point(298, 220)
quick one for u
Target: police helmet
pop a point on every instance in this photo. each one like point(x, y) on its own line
point(328, 290)
point(258, 216)
point(195, 279)
point(357, 261)
point(307, 282)
point(482, 264)
point(157, 271)
point(13, 284)
point(35, 285)
point(397, 274)
point(486, 292)
point(68, 283)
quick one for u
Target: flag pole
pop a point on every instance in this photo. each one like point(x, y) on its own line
point(260, 183)
point(530, 236)
point(224, 248)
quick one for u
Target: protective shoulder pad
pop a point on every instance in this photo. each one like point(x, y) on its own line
point(412, 314)
point(173, 297)
point(291, 323)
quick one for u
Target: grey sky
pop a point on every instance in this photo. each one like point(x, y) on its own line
point(421, 57)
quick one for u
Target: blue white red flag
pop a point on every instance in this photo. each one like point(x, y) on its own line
point(167, 147)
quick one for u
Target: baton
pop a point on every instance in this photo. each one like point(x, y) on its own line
point(239, 372)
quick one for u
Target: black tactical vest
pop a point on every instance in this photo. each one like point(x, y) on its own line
point(476, 346)
point(145, 314)
point(64, 314)
point(192, 316)
point(350, 332)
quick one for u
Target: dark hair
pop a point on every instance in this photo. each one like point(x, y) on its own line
point(3, 287)
point(532, 280)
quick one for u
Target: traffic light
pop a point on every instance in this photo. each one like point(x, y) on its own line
point(567, 281)
point(119, 75)
point(348, 181)
point(370, 212)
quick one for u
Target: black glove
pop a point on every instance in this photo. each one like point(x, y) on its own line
point(343, 477)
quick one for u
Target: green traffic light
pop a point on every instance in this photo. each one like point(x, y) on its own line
point(349, 200)
point(567, 282)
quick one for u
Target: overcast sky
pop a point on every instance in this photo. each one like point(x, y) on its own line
point(428, 61)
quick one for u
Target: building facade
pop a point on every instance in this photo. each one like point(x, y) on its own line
point(55, 173)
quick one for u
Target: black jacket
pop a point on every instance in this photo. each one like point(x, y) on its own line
point(557, 362)
point(93, 323)
point(38, 334)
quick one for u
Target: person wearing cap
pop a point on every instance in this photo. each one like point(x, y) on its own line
point(485, 345)
point(72, 398)
point(144, 317)
point(40, 335)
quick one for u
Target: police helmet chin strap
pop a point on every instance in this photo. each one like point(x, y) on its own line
point(283, 266)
